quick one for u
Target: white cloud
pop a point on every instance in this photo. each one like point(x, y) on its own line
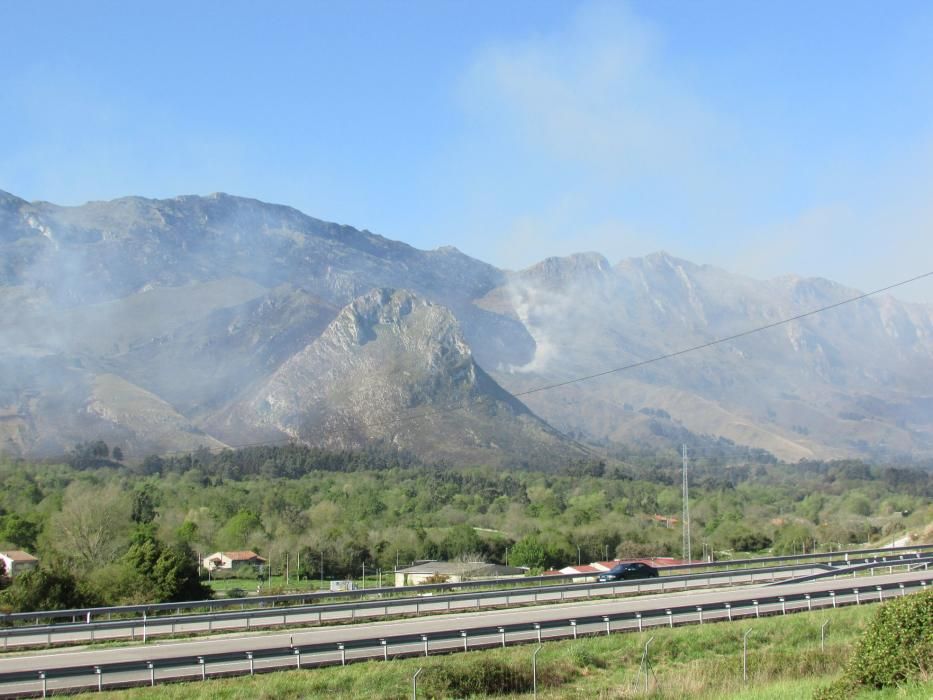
point(593, 95)
point(593, 140)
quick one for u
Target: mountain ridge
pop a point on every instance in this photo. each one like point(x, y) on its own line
point(190, 276)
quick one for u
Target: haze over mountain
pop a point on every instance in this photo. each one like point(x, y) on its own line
point(167, 324)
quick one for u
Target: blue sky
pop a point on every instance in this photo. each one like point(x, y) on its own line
point(765, 138)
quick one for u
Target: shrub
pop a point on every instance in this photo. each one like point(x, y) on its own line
point(583, 657)
point(480, 676)
point(896, 648)
point(898, 645)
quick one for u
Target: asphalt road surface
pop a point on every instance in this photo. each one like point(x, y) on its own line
point(364, 637)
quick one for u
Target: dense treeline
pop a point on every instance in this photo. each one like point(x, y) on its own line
point(111, 533)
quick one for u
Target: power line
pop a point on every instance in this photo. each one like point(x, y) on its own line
point(725, 339)
point(467, 403)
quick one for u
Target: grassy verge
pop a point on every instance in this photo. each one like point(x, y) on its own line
point(277, 584)
point(705, 662)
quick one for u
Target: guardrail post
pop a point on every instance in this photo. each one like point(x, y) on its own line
point(783, 605)
point(151, 666)
point(297, 652)
point(901, 586)
point(45, 688)
point(573, 626)
point(606, 620)
point(343, 654)
point(880, 594)
point(729, 611)
point(424, 638)
point(100, 679)
point(538, 630)
point(252, 668)
point(385, 649)
point(700, 612)
point(757, 608)
point(809, 601)
point(670, 618)
point(823, 636)
point(502, 633)
point(832, 594)
point(638, 617)
point(857, 600)
point(465, 635)
point(203, 668)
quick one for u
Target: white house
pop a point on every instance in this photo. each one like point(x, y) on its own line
point(232, 560)
point(16, 562)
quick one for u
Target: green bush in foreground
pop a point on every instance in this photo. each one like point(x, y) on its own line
point(897, 648)
point(482, 676)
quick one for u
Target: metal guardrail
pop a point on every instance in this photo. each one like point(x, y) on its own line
point(319, 614)
point(869, 565)
point(87, 614)
point(454, 639)
point(148, 627)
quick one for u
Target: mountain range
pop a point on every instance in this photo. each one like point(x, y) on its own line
point(165, 325)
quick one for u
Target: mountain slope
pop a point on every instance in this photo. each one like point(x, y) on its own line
point(198, 302)
point(380, 372)
point(799, 390)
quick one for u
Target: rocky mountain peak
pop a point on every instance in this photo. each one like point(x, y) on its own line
point(556, 272)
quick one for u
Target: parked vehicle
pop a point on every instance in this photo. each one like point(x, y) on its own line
point(624, 571)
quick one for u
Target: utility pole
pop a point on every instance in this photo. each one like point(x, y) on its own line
point(686, 512)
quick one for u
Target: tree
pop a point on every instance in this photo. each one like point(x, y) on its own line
point(460, 540)
point(18, 531)
point(91, 528)
point(529, 552)
point(46, 589)
point(117, 454)
point(89, 455)
point(792, 537)
point(144, 508)
point(152, 571)
point(236, 531)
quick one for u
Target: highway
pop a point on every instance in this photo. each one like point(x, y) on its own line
point(322, 612)
point(240, 653)
point(883, 555)
point(146, 629)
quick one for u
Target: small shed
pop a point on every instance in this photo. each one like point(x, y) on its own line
point(16, 562)
point(454, 572)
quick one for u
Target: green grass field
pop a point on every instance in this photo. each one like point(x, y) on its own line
point(705, 662)
point(277, 585)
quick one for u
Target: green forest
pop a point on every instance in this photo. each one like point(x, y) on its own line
point(111, 532)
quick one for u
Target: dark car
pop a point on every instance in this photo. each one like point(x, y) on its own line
point(624, 571)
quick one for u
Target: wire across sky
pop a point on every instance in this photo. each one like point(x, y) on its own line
point(467, 403)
